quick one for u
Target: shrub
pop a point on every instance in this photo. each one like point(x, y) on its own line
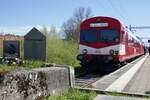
point(62, 52)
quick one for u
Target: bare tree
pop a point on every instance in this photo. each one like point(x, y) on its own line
point(45, 31)
point(71, 27)
point(51, 33)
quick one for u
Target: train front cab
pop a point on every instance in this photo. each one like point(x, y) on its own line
point(102, 47)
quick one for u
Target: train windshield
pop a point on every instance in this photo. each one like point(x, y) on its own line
point(88, 36)
point(109, 35)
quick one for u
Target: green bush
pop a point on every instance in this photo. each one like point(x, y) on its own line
point(62, 52)
point(5, 68)
point(1, 52)
point(74, 94)
point(21, 48)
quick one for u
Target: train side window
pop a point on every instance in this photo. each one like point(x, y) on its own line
point(129, 38)
point(126, 39)
point(122, 36)
point(132, 39)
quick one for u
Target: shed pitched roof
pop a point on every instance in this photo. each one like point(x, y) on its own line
point(34, 34)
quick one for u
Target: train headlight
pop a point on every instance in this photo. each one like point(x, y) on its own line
point(112, 52)
point(80, 57)
point(84, 51)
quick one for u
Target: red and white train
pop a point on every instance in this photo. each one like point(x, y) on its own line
point(106, 40)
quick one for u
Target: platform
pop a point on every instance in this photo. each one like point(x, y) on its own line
point(107, 97)
point(118, 80)
point(140, 83)
point(133, 78)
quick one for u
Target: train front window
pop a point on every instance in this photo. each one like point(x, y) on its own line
point(88, 36)
point(109, 35)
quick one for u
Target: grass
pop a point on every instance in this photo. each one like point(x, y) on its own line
point(32, 64)
point(6, 68)
point(29, 64)
point(74, 94)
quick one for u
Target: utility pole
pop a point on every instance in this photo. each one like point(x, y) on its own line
point(149, 42)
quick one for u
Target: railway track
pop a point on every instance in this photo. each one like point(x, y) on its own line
point(87, 80)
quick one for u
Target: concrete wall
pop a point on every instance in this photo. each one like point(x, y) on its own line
point(36, 83)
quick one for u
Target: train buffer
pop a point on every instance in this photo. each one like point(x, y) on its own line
point(134, 78)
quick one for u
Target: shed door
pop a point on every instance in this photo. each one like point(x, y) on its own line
point(40, 49)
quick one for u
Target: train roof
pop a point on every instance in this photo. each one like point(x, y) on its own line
point(102, 17)
point(133, 35)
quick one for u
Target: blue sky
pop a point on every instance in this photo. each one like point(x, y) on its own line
point(18, 16)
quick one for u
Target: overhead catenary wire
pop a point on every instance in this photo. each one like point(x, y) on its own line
point(117, 11)
point(104, 7)
point(120, 5)
point(110, 9)
point(117, 8)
